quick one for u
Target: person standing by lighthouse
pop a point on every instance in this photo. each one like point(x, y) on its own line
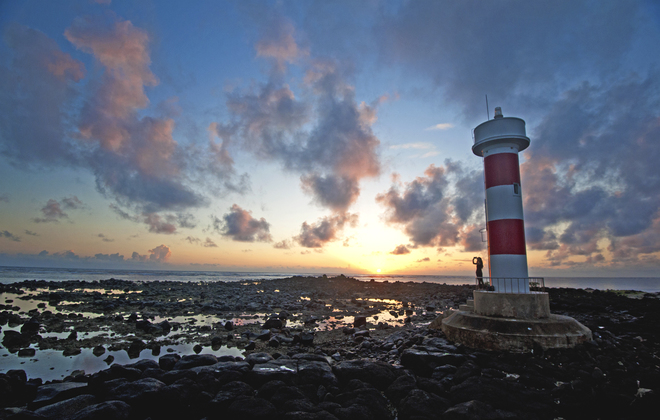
point(499, 141)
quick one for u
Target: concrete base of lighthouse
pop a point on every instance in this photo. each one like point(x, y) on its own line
point(513, 322)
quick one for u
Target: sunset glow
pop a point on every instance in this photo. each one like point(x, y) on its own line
point(324, 137)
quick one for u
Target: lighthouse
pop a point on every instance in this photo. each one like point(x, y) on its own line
point(499, 141)
point(508, 317)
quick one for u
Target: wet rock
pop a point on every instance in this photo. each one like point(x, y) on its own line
point(252, 408)
point(26, 352)
point(52, 393)
point(400, 388)
point(229, 326)
point(194, 360)
point(280, 370)
point(354, 402)
point(66, 408)
point(360, 321)
point(274, 341)
point(258, 358)
point(476, 410)
point(423, 362)
point(31, 326)
point(273, 323)
point(136, 348)
point(197, 348)
point(15, 340)
point(168, 361)
point(227, 394)
point(251, 345)
point(316, 373)
point(421, 404)
point(378, 373)
point(143, 391)
point(108, 410)
point(144, 364)
point(98, 350)
point(284, 394)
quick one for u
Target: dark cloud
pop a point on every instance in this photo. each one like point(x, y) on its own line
point(133, 156)
point(333, 192)
point(241, 226)
point(209, 243)
point(158, 225)
point(326, 229)
point(72, 203)
point(109, 257)
point(327, 137)
point(105, 238)
point(193, 240)
point(36, 92)
point(400, 250)
point(52, 212)
point(442, 208)
point(532, 48)
point(591, 172)
point(159, 254)
point(29, 232)
point(10, 236)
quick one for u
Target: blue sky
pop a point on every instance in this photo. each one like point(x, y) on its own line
point(324, 136)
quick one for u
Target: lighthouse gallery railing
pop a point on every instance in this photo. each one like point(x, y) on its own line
point(514, 285)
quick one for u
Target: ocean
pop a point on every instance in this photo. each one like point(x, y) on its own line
point(16, 274)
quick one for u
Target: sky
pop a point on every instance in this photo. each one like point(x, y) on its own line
point(325, 136)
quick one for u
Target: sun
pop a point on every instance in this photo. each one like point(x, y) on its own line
point(378, 270)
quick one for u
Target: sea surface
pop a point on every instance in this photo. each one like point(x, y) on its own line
point(16, 274)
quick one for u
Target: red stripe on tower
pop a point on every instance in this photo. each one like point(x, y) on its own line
point(506, 236)
point(501, 169)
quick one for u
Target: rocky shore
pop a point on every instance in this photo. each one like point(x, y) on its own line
point(315, 348)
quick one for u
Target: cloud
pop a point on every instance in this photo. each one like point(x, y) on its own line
point(590, 174)
point(400, 250)
point(283, 244)
point(39, 82)
point(159, 254)
point(52, 212)
point(10, 236)
point(134, 158)
point(532, 49)
point(105, 238)
point(103, 126)
point(427, 259)
point(241, 226)
point(72, 203)
point(327, 138)
point(109, 257)
point(438, 209)
point(158, 225)
point(278, 43)
point(325, 230)
point(441, 126)
point(193, 240)
point(333, 192)
point(29, 232)
point(4, 197)
point(209, 243)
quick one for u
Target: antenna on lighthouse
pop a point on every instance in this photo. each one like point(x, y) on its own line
point(487, 110)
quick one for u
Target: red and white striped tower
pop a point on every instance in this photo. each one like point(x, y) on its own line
point(498, 141)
